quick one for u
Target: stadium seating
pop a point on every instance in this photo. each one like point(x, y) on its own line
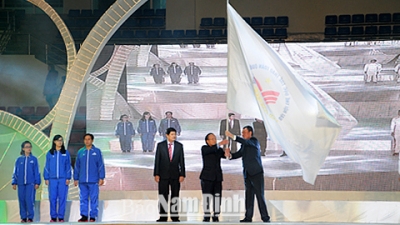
point(281, 33)
point(371, 18)
point(396, 17)
point(343, 31)
point(357, 31)
point(128, 34)
point(16, 110)
point(158, 23)
point(27, 111)
point(385, 18)
point(153, 34)
point(385, 30)
point(344, 19)
point(217, 33)
point(140, 34)
point(219, 22)
point(161, 12)
point(268, 32)
point(331, 19)
point(368, 26)
point(371, 30)
point(86, 13)
point(148, 12)
point(204, 33)
point(330, 31)
point(357, 18)
point(191, 33)
point(396, 30)
point(282, 21)
point(256, 21)
point(206, 22)
point(178, 33)
point(166, 34)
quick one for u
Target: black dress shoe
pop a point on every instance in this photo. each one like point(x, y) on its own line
point(161, 220)
point(245, 220)
point(206, 219)
point(266, 219)
point(176, 220)
point(215, 219)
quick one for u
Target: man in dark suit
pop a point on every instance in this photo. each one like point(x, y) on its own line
point(253, 172)
point(169, 170)
point(261, 134)
point(211, 176)
point(233, 127)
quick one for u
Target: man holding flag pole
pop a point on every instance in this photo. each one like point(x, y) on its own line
point(253, 172)
point(262, 85)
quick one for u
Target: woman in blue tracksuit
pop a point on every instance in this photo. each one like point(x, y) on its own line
point(26, 177)
point(57, 174)
point(147, 129)
point(125, 131)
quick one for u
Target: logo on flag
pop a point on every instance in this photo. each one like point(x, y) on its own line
point(270, 86)
point(270, 97)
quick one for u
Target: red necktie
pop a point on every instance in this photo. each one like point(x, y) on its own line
point(170, 151)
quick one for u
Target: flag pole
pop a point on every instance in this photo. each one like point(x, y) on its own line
point(227, 75)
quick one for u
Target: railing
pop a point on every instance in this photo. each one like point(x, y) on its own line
point(26, 44)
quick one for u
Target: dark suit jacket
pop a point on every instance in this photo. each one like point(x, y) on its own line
point(259, 130)
point(162, 165)
point(235, 130)
point(250, 153)
point(211, 163)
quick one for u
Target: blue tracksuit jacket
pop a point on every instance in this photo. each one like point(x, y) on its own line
point(58, 166)
point(89, 165)
point(26, 171)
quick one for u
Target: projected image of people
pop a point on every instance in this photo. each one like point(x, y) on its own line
point(190, 88)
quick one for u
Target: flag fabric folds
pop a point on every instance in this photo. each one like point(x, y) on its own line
point(262, 85)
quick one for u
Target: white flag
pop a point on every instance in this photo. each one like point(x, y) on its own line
point(262, 85)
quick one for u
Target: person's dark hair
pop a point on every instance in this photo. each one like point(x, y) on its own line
point(120, 118)
point(90, 135)
point(146, 113)
point(249, 128)
point(168, 112)
point(53, 146)
point(231, 114)
point(23, 145)
point(169, 130)
point(206, 138)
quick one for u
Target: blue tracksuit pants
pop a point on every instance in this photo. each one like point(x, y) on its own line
point(125, 142)
point(89, 199)
point(58, 192)
point(26, 198)
point(147, 141)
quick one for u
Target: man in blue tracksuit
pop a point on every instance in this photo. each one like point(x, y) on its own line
point(26, 177)
point(89, 173)
point(125, 131)
point(57, 175)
